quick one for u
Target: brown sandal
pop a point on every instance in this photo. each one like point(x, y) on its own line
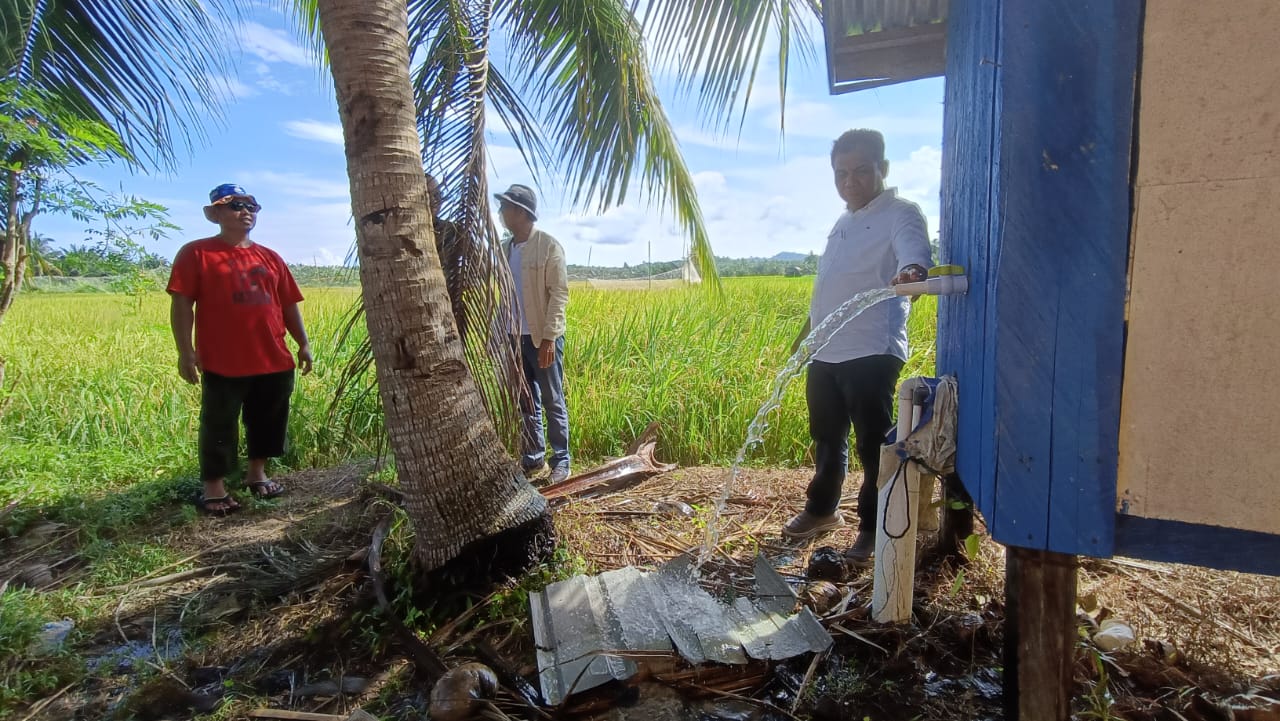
point(266, 489)
point(202, 504)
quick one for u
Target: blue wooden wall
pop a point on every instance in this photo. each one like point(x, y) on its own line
point(1036, 206)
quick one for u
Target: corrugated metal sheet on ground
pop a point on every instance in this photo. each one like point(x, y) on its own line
point(592, 629)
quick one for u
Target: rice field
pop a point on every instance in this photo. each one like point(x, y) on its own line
point(95, 422)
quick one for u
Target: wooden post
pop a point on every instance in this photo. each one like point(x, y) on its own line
point(956, 524)
point(1040, 635)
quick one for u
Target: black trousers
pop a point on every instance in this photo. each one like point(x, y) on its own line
point(857, 393)
point(261, 401)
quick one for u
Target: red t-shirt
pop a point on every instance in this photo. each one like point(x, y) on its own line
point(240, 294)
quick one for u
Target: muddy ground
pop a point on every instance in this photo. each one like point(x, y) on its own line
point(272, 609)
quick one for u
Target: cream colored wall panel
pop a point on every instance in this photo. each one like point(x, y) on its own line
point(1210, 91)
point(1200, 420)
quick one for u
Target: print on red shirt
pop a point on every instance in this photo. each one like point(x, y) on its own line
point(252, 287)
point(240, 294)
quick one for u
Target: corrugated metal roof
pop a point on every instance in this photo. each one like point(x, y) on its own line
point(879, 42)
point(591, 629)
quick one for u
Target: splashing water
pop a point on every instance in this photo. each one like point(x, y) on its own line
point(812, 343)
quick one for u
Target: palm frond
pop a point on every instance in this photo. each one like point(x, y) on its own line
point(584, 65)
point(453, 82)
point(305, 17)
point(149, 70)
point(717, 45)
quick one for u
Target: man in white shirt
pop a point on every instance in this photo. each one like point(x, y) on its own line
point(542, 290)
point(880, 240)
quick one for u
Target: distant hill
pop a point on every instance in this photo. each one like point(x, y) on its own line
point(790, 257)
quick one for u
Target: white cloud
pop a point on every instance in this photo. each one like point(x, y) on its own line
point(326, 256)
point(233, 87)
point(269, 83)
point(918, 178)
point(315, 130)
point(757, 211)
point(299, 185)
point(824, 120)
point(690, 135)
point(307, 232)
point(507, 166)
point(274, 46)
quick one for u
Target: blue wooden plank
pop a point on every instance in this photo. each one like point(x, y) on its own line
point(968, 188)
point(1083, 492)
point(1066, 97)
point(1230, 549)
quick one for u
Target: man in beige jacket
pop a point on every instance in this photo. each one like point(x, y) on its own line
point(542, 289)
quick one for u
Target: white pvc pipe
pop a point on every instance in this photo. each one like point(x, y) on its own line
point(939, 285)
point(905, 421)
point(897, 509)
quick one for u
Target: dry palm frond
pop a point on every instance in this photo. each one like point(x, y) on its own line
point(453, 84)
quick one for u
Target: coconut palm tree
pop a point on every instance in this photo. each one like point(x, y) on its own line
point(578, 98)
point(41, 257)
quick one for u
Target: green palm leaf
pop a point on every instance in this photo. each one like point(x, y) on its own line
point(584, 66)
point(577, 96)
point(718, 45)
point(147, 69)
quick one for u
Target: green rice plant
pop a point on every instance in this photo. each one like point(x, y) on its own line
point(96, 426)
point(698, 365)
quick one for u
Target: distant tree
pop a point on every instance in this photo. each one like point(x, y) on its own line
point(41, 141)
point(810, 265)
point(39, 138)
point(41, 257)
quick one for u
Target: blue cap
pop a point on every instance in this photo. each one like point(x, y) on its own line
point(226, 192)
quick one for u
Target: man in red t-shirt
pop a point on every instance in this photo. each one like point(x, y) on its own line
point(241, 299)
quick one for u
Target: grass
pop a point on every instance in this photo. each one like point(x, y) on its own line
point(96, 426)
point(698, 366)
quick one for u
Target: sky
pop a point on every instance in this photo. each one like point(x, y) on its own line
point(762, 191)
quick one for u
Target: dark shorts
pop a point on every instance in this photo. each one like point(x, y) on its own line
point(262, 402)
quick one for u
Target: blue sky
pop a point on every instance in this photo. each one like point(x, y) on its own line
point(761, 192)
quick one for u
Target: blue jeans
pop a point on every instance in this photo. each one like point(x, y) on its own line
point(546, 391)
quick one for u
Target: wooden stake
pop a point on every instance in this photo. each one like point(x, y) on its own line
point(1040, 635)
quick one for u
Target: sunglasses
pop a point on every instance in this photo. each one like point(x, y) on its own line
point(239, 205)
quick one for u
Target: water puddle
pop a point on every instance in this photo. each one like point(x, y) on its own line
point(814, 342)
point(135, 656)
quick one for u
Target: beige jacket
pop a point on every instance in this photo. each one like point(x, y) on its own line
point(544, 291)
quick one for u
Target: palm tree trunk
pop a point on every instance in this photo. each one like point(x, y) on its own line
point(465, 495)
point(12, 259)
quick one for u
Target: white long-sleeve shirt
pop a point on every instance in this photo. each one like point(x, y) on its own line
point(865, 250)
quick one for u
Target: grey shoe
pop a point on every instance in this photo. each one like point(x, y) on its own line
point(806, 525)
point(863, 548)
point(559, 473)
point(532, 471)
